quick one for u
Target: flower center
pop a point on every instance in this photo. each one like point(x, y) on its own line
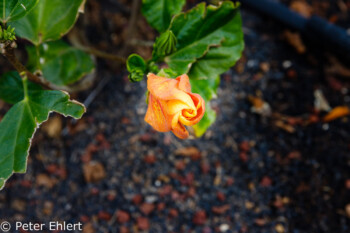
point(189, 113)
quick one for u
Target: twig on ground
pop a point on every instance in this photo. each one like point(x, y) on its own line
point(96, 91)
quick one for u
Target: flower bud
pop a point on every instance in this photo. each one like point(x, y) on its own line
point(136, 75)
point(7, 33)
point(165, 44)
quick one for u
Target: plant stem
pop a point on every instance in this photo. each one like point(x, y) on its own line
point(77, 41)
point(9, 52)
point(99, 53)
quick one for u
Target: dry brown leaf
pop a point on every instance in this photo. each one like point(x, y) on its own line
point(336, 113)
point(93, 172)
point(294, 39)
point(302, 7)
point(284, 126)
point(53, 127)
point(259, 106)
point(45, 180)
point(336, 68)
point(187, 151)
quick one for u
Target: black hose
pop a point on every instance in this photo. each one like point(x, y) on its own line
point(317, 30)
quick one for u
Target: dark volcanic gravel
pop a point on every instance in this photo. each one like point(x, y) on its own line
point(248, 173)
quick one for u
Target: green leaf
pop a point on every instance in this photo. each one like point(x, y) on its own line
point(210, 41)
point(203, 30)
point(11, 10)
point(207, 120)
point(11, 88)
point(49, 20)
point(59, 62)
point(21, 121)
point(207, 89)
point(159, 12)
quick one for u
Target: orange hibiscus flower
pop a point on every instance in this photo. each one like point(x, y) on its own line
point(172, 105)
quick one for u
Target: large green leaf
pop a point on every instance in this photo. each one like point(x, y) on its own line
point(21, 121)
point(207, 36)
point(210, 41)
point(11, 10)
point(60, 63)
point(159, 12)
point(49, 20)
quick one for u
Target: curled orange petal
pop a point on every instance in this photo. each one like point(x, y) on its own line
point(156, 114)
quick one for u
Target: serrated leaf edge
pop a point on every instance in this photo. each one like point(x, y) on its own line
point(36, 128)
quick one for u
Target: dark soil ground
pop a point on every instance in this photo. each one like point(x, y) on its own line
point(249, 173)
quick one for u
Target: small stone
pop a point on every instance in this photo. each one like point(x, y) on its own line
point(146, 138)
point(150, 159)
point(147, 208)
point(264, 66)
point(161, 206)
point(260, 221)
point(243, 156)
point(220, 209)
point(84, 218)
point(230, 181)
point(180, 165)
point(287, 64)
point(191, 192)
point(142, 223)
point(266, 181)
point(173, 213)
point(88, 228)
point(137, 199)
point(151, 199)
point(122, 216)
point(205, 168)
point(48, 208)
point(45, 180)
point(164, 191)
point(347, 184)
point(224, 227)
point(103, 215)
point(279, 228)
point(249, 205)
point(200, 217)
point(244, 146)
point(207, 230)
point(18, 205)
point(278, 203)
point(347, 210)
point(124, 229)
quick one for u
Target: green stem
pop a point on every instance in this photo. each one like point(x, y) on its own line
point(25, 84)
